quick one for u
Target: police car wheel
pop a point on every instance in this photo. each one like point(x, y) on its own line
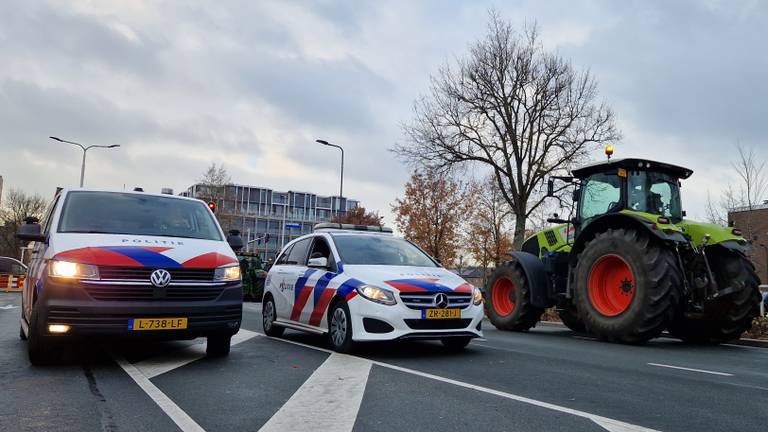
point(340, 328)
point(218, 346)
point(268, 315)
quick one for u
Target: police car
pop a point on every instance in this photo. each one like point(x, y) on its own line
point(357, 283)
point(128, 264)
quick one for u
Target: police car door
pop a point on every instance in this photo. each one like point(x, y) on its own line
point(294, 278)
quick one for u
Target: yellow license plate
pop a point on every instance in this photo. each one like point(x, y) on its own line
point(137, 324)
point(441, 313)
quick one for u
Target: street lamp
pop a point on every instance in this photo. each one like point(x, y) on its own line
point(341, 185)
point(85, 149)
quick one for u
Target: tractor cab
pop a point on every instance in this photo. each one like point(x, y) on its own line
point(638, 186)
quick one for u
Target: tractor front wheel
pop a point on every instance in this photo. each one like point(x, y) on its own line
point(728, 317)
point(508, 299)
point(627, 286)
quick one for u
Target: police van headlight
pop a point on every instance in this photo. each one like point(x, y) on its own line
point(227, 274)
point(376, 294)
point(477, 296)
point(71, 270)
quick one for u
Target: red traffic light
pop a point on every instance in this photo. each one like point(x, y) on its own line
point(212, 206)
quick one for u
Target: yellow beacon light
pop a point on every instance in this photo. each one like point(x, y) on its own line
point(609, 151)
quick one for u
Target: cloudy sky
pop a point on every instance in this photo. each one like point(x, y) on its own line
point(251, 84)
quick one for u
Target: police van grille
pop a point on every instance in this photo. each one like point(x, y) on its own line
point(150, 293)
point(425, 300)
point(143, 273)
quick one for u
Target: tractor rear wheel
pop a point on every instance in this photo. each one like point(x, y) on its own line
point(569, 315)
point(728, 317)
point(508, 299)
point(627, 286)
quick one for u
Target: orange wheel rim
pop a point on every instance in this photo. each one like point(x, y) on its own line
point(611, 285)
point(503, 292)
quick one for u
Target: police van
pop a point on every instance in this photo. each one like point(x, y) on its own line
point(128, 264)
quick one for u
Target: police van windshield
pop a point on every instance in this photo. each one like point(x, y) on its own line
point(136, 214)
point(380, 250)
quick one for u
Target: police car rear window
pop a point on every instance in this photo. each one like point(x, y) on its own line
point(136, 214)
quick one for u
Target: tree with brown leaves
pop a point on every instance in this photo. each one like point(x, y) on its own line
point(17, 206)
point(358, 216)
point(513, 107)
point(431, 212)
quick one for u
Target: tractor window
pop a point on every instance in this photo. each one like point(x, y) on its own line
point(655, 193)
point(600, 194)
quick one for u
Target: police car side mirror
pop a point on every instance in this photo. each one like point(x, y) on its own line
point(30, 231)
point(235, 241)
point(321, 262)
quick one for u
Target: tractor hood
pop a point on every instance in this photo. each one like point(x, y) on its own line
point(718, 234)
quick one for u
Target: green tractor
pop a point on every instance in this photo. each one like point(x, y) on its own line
point(628, 265)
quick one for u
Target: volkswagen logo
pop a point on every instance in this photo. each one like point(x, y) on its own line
point(441, 300)
point(160, 278)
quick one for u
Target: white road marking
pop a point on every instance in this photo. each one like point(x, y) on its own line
point(8, 307)
point(171, 360)
point(690, 369)
point(328, 401)
point(609, 424)
point(182, 420)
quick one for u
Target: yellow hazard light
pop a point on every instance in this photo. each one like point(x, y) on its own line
point(609, 150)
point(58, 328)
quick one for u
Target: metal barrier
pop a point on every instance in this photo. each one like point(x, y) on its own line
point(10, 283)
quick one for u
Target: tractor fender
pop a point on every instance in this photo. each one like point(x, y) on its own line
point(537, 278)
point(733, 245)
point(620, 220)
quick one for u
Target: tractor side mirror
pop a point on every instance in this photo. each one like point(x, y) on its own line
point(576, 194)
point(685, 213)
point(551, 187)
point(30, 230)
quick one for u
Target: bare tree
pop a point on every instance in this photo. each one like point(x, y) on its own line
point(488, 224)
point(512, 106)
point(16, 207)
point(214, 182)
point(750, 190)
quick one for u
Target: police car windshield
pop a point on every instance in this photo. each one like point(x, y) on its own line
point(136, 214)
point(380, 250)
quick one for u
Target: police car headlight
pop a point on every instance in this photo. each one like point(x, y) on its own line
point(227, 274)
point(477, 296)
point(70, 270)
point(376, 294)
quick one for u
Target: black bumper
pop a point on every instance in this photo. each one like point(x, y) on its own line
point(70, 304)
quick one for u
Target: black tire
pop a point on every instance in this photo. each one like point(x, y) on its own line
point(456, 343)
point(636, 284)
point(268, 315)
point(569, 315)
point(726, 318)
point(40, 351)
point(218, 345)
point(340, 327)
point(508, 299)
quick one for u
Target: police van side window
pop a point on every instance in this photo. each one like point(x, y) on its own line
point(48, 219)
point(298, 255)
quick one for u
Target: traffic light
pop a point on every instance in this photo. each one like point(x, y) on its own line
point(212, 206)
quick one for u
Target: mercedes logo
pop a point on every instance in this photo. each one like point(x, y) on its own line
point(441, 300)
point(160, 278)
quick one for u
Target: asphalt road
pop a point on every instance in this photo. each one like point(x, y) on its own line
point(547, 379)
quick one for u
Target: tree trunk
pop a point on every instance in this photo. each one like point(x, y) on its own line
point(519, 238)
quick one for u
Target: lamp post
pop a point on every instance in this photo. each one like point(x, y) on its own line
point(85, 150)
point(341, 185)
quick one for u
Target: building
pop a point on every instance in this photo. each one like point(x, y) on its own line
point(753, 222)
point(257, 212)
